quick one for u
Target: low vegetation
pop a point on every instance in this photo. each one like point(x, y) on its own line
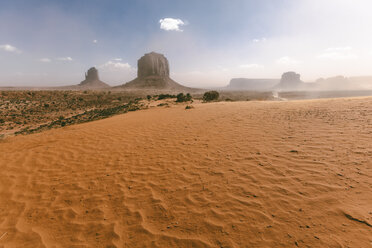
point(31, 111)
point(166, 96)
point(184, 98)
point(210, 96)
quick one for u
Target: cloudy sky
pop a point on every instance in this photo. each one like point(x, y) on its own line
point(46, 42)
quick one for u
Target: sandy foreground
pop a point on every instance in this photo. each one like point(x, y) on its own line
point(228, 174)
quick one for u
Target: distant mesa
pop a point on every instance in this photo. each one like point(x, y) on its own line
point(290, 81)
point(92, 80)
point(251, 84)
point(340, 83)
point(153, 74)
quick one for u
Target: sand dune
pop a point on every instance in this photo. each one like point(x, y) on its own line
point(237, 174)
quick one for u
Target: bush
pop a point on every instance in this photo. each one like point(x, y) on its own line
point(211, 96)
point(148, 97)
point(183, 98)
point(189, 107)
point(165, 96)
point(162, 104)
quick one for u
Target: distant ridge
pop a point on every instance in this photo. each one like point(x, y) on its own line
point(251, 84)
point(291, 81)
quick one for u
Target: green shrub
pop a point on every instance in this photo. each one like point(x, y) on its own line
point(162, 104)
point(211, 96)
point(165, 96)
point(183, 98)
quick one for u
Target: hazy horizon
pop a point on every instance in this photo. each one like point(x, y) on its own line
point(53, 43)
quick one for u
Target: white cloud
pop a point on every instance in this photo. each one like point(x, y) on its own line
point(45, 60)
point(251, 66)
point(170, 24)
point(114, 66)
point(10, 48)
point(65, 59)
point(117, 59)
point(288, 61)
point(338, 53)
point(95, 41)
point(259, 40)
point(117, 72)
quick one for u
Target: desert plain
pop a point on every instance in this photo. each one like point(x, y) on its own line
point(224, 174)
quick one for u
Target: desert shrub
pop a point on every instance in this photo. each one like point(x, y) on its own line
point(2, 121)
point(211, 96)
point(162, 104)
point(183, 98)
point(148, 97)
point(189, 107)
point(165, 96)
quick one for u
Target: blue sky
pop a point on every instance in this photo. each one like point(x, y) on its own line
point(55, 42)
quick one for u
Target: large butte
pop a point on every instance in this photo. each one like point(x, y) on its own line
point(153, 74)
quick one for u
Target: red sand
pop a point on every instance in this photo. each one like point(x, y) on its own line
point(244, 174)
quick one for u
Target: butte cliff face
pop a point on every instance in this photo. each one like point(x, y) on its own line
point(153, 74)
point(92, 80)
point(153, 64)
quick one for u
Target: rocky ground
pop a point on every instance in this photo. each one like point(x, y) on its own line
point(29, 111)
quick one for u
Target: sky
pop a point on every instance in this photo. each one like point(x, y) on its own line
point(207, 42)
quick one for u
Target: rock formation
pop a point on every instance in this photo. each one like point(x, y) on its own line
point(153, 74)
point(153, 64)
point(290, 81)
point(337, 83)
point(92, 80)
